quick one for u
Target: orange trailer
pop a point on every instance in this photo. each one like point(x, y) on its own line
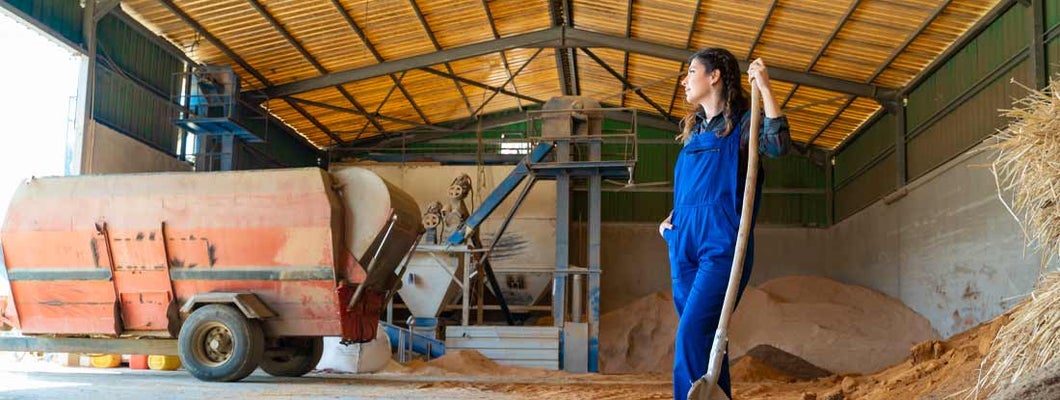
point(243, 269)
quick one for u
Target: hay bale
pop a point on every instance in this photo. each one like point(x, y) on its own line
point(1028, 167)
point(1029, 341)
point(1027, 172)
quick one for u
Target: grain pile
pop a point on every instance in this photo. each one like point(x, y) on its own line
point(841, 328)
point(838, 327)
point(931, 370)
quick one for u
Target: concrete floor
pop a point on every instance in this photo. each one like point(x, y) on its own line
point(42, 380)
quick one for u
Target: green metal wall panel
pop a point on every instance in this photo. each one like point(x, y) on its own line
point(875, 183)
point(967, 125)
point(280, 146)
point(61, 16)
point(995, 45)
point(1052, 55)
point(129, 108)
point(793, 209)
point(1052, 13)
point(866, 147)
point(138, 56)
point(793, 171)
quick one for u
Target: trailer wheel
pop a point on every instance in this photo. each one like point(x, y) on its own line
point(294, 356)
point(218, 344)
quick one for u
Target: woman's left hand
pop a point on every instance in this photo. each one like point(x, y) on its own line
point(758, 75)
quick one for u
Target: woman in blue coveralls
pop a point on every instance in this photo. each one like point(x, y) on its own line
point(708, 194)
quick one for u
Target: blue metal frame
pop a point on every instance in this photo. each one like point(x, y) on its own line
point(561, 170)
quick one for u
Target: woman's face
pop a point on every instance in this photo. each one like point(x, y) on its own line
point(697, 83)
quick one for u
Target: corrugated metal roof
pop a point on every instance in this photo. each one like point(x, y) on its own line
point(866, 42)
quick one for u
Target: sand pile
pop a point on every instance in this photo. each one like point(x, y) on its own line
point(468, 363)
point(841, 328)
point(932, 370)
point(765, 362)
point(639, 338)
point(838, 327)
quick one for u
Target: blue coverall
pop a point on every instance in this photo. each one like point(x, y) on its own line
point(708, 194)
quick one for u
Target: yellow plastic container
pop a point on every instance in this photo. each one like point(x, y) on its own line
point(106, 360)
point(164, 363)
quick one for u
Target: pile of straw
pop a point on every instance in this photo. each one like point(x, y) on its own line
point(1030, 340)
point(1028, 169)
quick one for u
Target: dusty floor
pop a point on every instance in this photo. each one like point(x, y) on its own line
point(934, 370)
point(44, 381)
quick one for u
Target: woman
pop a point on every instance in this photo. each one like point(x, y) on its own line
point(708, 194)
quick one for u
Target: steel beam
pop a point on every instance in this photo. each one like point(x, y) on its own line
point(1039, 66)
point(824, 47)
point(88, 32)
point(969, 35)
point(909, 40)
point(580, 38)
point(900, 146)
point(564, 37)
point(104, 7)
point(356, 112)
point(309, 57)
point(438, 47)
point(532, 39)
point(761, 30)
point(482, 85)
point(625, 82)
point(314, 121)
point(504, 58)
point(198, 28)
point(484, 103)
point(625, 60)
point(829, 123)
point(688, 43)
point(378, 58)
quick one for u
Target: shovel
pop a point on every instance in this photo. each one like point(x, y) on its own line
point(706, 387)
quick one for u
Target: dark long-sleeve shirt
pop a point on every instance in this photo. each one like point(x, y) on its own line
point(774, 139)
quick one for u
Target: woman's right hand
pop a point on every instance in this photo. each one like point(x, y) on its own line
point(666, 224)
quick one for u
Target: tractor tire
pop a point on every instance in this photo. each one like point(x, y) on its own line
point(217, 343)
point(295, 356)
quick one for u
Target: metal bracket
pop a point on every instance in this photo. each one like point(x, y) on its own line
point(248, 303)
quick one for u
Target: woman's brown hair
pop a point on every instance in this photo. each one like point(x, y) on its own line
point(716, 58)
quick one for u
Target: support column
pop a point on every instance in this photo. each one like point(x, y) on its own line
point(559, 280)
point(1039, 66)
point(88, 33)
point(227, 145)
point(829, 192)
point(594, 260)
point(900, 144)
